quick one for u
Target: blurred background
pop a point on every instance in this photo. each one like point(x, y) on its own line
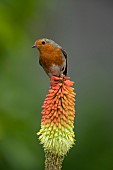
point(84, 28)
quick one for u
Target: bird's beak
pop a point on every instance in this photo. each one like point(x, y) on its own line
point(34, 46)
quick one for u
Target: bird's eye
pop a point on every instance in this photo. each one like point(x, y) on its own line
point(43, 42)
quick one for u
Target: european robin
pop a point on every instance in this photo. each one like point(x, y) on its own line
point(52, 57)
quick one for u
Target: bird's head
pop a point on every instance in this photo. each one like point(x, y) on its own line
point(44, 44)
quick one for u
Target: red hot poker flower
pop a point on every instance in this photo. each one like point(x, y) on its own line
point(56, 133)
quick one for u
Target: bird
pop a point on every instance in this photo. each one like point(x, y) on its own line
point(52, 57)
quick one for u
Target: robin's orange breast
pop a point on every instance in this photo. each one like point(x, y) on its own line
point(50, 56)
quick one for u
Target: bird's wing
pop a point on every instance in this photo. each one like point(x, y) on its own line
point(40, 62)
point(65, 55)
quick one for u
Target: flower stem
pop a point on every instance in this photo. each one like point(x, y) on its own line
point(53, 161)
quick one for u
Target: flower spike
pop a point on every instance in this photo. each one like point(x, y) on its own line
point(57, 123)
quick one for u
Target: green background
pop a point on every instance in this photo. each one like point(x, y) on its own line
point(85, 30)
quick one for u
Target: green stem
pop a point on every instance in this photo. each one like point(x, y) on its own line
point(53, 162)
